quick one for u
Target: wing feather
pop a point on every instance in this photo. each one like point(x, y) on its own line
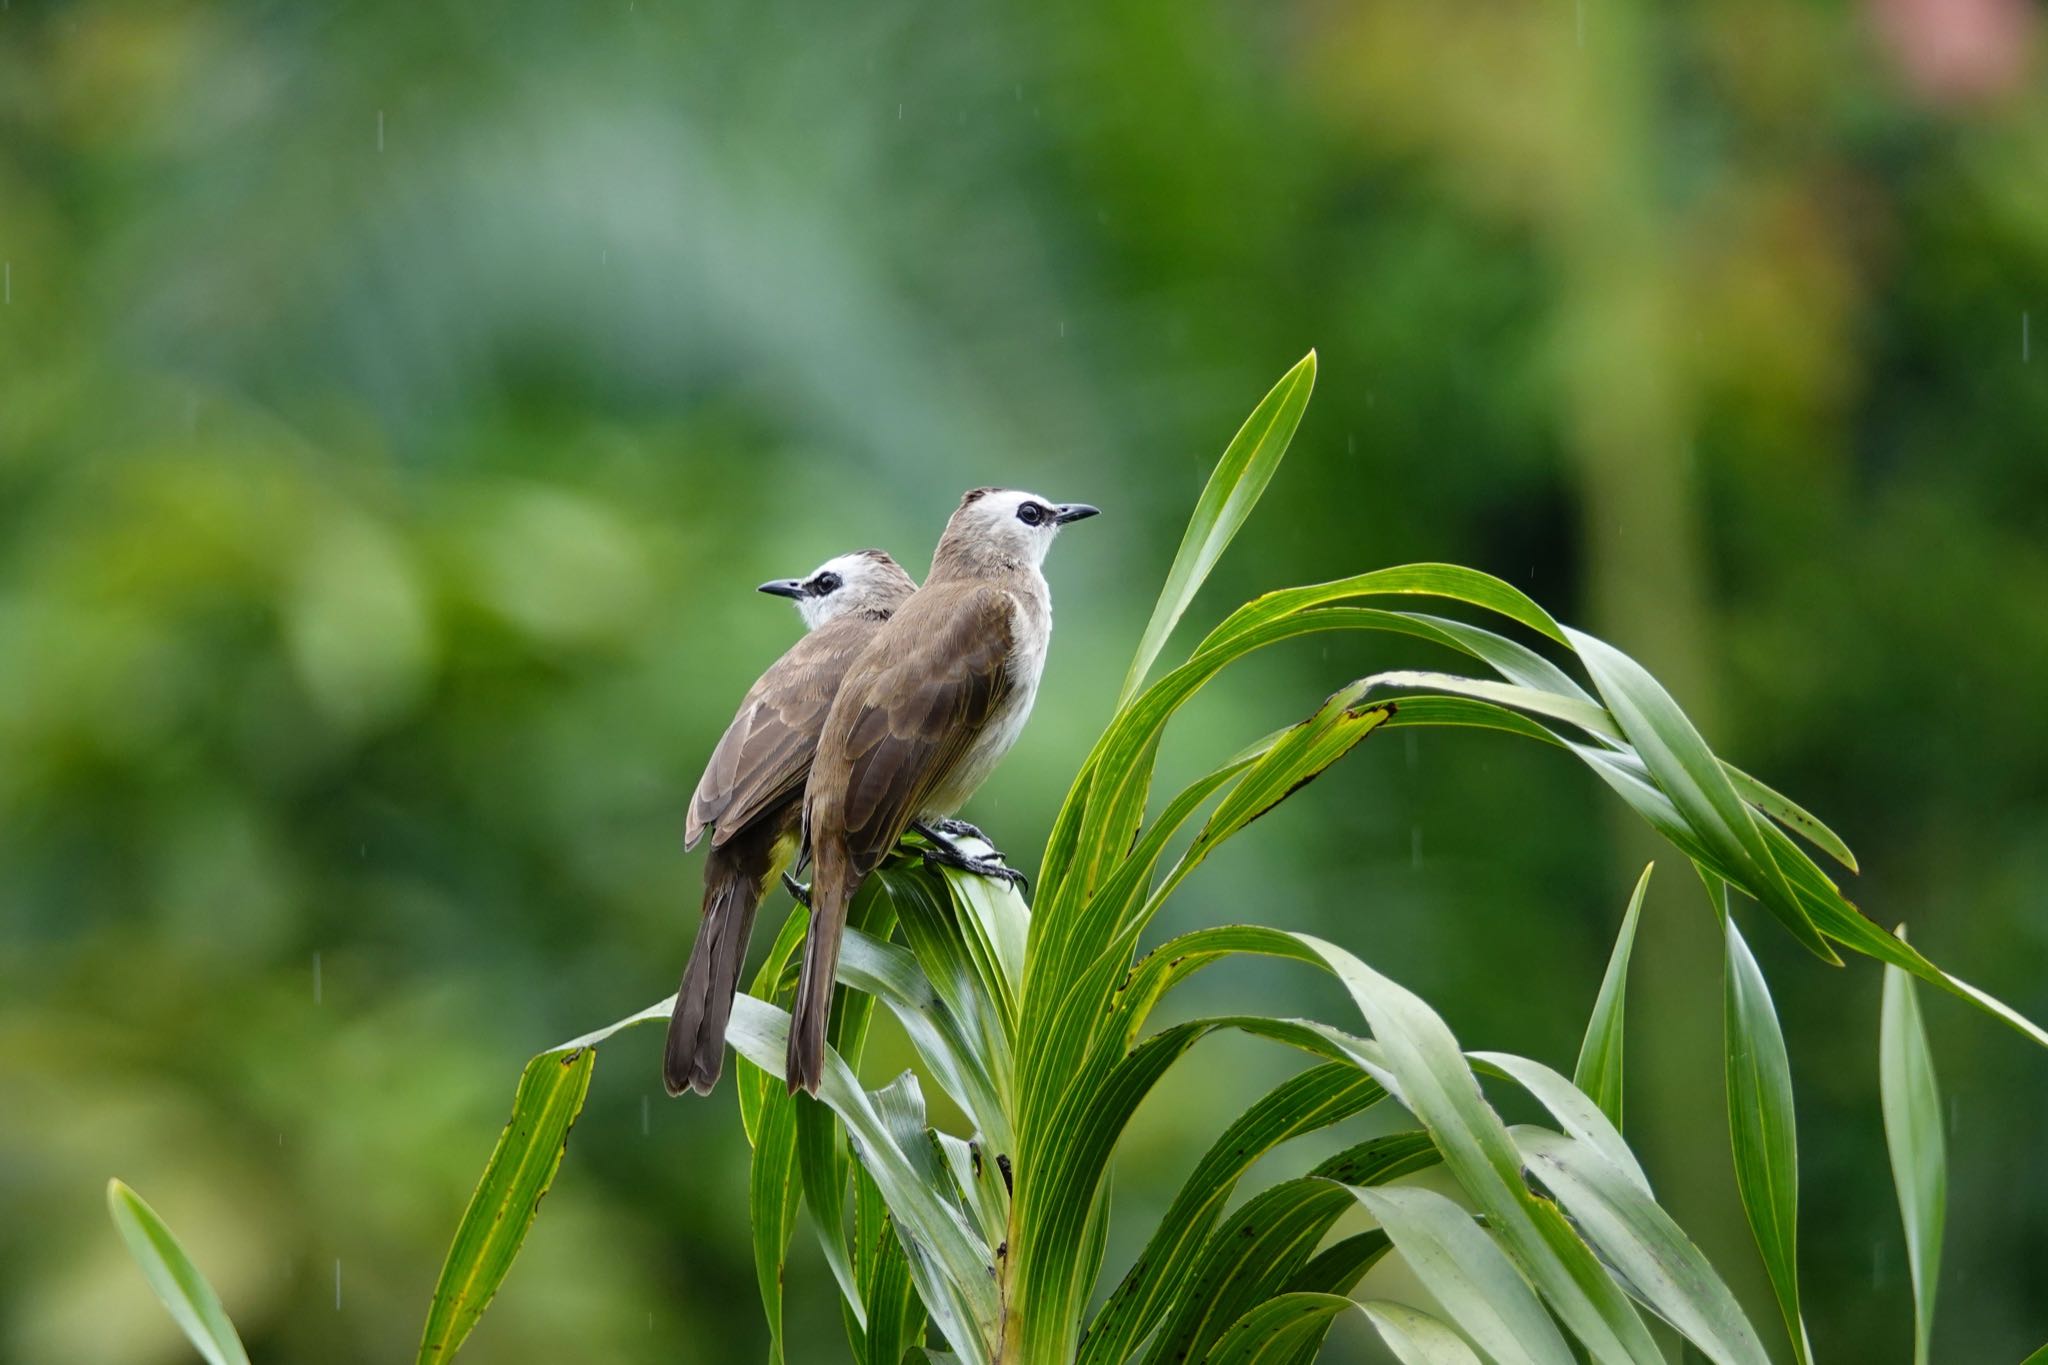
point(765, 754)
point(912, 709)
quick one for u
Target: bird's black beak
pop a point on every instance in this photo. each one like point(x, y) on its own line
point(1074, 511)
point(783, 587)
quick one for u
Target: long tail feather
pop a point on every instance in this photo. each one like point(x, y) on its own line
point(832, 889)
point(696, 1031)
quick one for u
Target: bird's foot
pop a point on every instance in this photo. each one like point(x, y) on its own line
point(945, 853)
point(960, 829)
point(995, 869)
point(799, 891)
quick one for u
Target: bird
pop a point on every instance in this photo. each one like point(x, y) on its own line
point(930, 706)
point(751, 793)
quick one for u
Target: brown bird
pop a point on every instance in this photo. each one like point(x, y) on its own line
point(931, 705)
point(751, 794)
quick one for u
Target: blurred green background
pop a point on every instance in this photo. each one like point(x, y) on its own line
point(398, 404)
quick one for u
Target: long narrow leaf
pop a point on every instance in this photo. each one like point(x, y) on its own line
point(1599, 1072)
point(1468, 1275)
point(1664, 1269)
point(772, 1202)
point(1912, 1131)
point(521, 1168)
point(1573, 1109)
point(1415, 1337)
point(1232, 491)
point(1312, 1100)
point(1277, 1330)
point(956, 1284)
point(1265, 1243)
point(1688, 773)
point(1762, 1128)
point(173, 1277)
point(1436, 1084)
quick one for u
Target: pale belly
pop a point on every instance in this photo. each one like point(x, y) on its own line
point(982, 756)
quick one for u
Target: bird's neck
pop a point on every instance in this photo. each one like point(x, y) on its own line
point(960, 559)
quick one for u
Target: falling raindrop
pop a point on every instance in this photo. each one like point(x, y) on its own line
point(1063, 328)
point(337, 1284)
point(9, 277)
point(1415, 846)
point(899, 113)
point(644, 1116)
point(1350, 443)
point(1410, 738)
point(2026, 340)
point(316, 978)
point(380, 130)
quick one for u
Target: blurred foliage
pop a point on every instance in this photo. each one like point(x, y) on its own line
point(398, 403)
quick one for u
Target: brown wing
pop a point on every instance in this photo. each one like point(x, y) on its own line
point(766, 752)
point(913, 706)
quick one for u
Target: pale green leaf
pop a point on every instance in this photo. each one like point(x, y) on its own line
point(1912, 1131)
point(174, 1279)
point(1468, 1275)
point(1762, 1129)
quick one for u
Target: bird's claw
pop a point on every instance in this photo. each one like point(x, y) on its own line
point(992, 867)
point(800, 892)
point(961, 829)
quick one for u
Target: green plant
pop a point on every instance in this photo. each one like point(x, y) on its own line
point(1034, 1021)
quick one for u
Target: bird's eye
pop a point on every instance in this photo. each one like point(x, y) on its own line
point(1031, 514)
point(824, 584)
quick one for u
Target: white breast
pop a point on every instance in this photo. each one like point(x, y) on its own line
point(1033, 632)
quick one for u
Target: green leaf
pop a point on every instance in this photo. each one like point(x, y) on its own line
point(184, 1292)
point(1233, 490)
point(1660, 1263)
point(957, 1060)
point(1687, 772)
point(1415, 1337)
point(1267, 1241)
point(521, 1168)
point(1761, 1126)
point(952, 1271)
point(1312, 1100)
point(1468, 1275)
point(895, 1317)
point(1278, 1330)
point(1420, 1056)
point(1338, 1267)
point(1912, 1131)
point(1599, 1072)
point(771, 1207)
point(1573, 1109)
point(821, 1163)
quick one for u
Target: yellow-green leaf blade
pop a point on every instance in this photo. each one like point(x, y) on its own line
point(1234, 487)
point(522, 1166)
